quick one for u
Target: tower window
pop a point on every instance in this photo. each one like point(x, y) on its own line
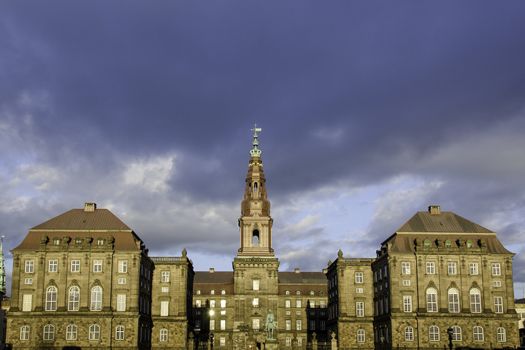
point(255, 238)
point(255, 187)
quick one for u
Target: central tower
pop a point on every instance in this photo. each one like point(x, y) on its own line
point(255, 267)
point(255, 222)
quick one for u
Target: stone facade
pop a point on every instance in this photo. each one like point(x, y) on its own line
point(81, 279)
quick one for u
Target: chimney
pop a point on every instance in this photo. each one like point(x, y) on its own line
point(297, 270)
point(212, 269)
point(90, 207)
point(434, 209)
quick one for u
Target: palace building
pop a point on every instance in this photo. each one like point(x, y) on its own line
point(84, 279)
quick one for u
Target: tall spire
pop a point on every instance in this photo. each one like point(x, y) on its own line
point(2, 267)
point(255, 221)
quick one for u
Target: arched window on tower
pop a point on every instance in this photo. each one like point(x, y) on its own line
point(255, 187)
point(255, 238)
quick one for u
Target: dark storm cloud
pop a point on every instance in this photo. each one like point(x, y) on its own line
point(347, 93)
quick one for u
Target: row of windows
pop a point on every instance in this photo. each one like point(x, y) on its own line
point(73, 299)
point(477, 334)
point(452, 268)
point(52, 266)
point(255, 286)
point(454, 301)
point(49, 332)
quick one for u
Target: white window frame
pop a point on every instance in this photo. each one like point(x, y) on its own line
point(223, 325)
point(29, 266)
point(255, 302)
point(407, 303)
point(405, 268)
point(48, 332)
point(452, 268)
point(359, 277)
point(498, 305)
point(360, 309)
point(501, 335)
point(97, 296)
point(27, 302)
point(94, 332)
point(433, 333)
point(121, 302)
point(454, 300)
point(75, 265)
point(164, 308)
point(256, 284)
point(165, 276)
point(360, 335)
point(52, 265)
point(73, 298)
point(288, 325)
point(431, 268)
point(25, 331)
point(51, 298)
point(97, 266)
point(223, 303)
point(496, 269)
point(256, 324)
point(475, 300)
point(122, 266)
point(163, 335)
point(71, 332)
point(457, 333)
point(473, 268)
point(432, 299)
point(120, 332)
point(478, 334)
point(409, 333)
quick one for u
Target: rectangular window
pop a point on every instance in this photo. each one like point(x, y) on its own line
point(452, 268)
point(123, 266)
point(255, 302)
point(121, 302)
point(473, 269)
point(407, 303)
point(256, 284)
point(360, 309)
point(165, 276)
point(121, 280)
point(212, 303)
point(29, 266)
point(496, 284)
point(222, 341)
point(288, 303)
point(223, 312)
point(298, 325)
point(52, 265)
point(223, 303)
point(288, 325)
point(298, 303)
point(256, 324)
point(288, 341)
point(198, 303)
point(312, 304)
point(431, 268)
point(164, 308)
point(496, 269)
point(223, 325)
point(27, 302)
point(28, 280)
point(406, 283)
point(97, 265)
point(358, 277)
point(405, 268)
point(498, 305)
point(212, 325)
point(359, 290)
point(75, 265)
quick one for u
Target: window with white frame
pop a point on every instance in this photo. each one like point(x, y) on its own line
point(255, 302)
point(164, 307)
point(496, 269)
point(28, 280)
point(358, 277)
point(432, 303)
point(406, 283)
point(287, 303)
point(405, 268)
point(223, 292)
point(407, 303)
point(288, 325)
point(256, 284)
point(73, 298)
point(27, 302)
point(49, 332)
point(477, 333)
point(360, 309)
point(498, 305)
point(501, 335)
point(212, 303)
point(96, 299)
point(24, 332)
point(223, 303)
point(212, 325)
point(431, 268)
point(288, 341)
point(256, 324)
point(94, 332)
point(121, 280)
point(51, 298)
point(165, 289)
point(222, 341)
point(52, 265)
point(452, 268)
point(298, 303)
point(121, 302)
point(29, 266)
point(456, 333)
point(223, 325)
point(198, 303)
point(433, 333)
point(453, 300)
point(409, 333)
point(475, 300)
point(163, 335)
point(298, 325)
point(71, 332)
point(360, 335)
point(122, 266)
point(75, 266)
point(165, 276)
point(473, 269)
point(97, 265)
point(496, 283)
point(119, 332)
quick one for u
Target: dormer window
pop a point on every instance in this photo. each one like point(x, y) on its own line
point(448, 243)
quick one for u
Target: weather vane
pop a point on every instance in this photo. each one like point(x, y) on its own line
point(255, 151)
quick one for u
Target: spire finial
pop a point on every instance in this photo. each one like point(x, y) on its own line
point(2, 267)
point(255, 151)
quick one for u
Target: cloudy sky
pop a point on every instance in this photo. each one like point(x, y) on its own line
point(370, 112)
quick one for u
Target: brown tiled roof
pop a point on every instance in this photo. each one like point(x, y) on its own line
point(78, 219)
point(217, 277)
point(446, 221)
point(302, 278)
point(77, 223)
point(404, 243)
